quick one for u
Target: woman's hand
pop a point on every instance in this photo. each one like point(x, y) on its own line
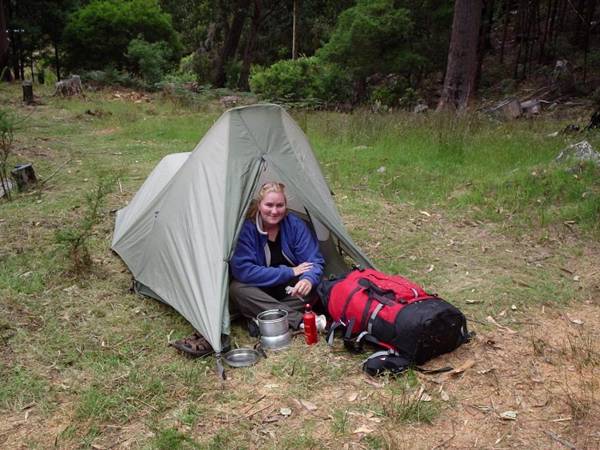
point(302, 268)
point(302, 288)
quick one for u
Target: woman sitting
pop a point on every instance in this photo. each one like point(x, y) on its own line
point(277, 260)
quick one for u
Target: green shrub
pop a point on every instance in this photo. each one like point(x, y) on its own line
point(150, 60)
point(371, 37)
point(98, 34)
point(75, 240)
point(303, 79)
point(111, 76)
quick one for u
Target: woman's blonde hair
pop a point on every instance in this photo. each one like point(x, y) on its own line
point(267, 188)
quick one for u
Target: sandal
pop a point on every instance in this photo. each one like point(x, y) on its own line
point(197, 346)
point(194, 346)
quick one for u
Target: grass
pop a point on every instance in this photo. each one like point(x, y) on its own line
point(471, 208)
point(505, 170)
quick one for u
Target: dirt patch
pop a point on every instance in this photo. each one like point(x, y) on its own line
point(535, 388)
point(106, 131)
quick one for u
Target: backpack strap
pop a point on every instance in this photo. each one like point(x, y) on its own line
point(331, 333)
point(343, 318)
point(378, 308)
point(385, 296)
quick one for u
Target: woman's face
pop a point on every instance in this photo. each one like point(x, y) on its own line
point(272, 208)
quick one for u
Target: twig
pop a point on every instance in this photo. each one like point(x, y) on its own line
point(560, 440)
point(443, 443)
point(470, 319)
point(45, 180)
point(248, 416)
point(144, 403)
point(253, 403)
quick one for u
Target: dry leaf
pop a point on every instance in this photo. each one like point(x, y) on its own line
point(352, 396)
point(509, 415)
point(491, 320)
point(464, 366)
point(374, 383)
point(444, 396)
point(425, 397)
point(308, 405)
point(363, 429)
point(285, 412)
point(575, 321)
point(425, 213)
point(430, 269)
point(472, 302)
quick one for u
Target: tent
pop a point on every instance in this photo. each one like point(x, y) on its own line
point(179, 231)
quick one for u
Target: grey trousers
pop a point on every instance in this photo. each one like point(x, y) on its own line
point(250, 301)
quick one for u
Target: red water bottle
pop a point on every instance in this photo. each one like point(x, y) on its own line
point(310, 326)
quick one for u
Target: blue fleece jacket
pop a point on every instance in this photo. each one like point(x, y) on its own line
point(298, 244)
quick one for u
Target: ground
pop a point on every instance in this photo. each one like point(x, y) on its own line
point(85, 363)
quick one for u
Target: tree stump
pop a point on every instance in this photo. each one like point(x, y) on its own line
point(24, 176)
point(507, 109)
point(70, 86)
point(28, 92)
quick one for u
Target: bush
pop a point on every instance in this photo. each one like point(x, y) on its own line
point(98, 35)
point(390, 92)
point(371, 37)
point(303, 79)
point(150, 60)
point(111, 77)
point(75, 240)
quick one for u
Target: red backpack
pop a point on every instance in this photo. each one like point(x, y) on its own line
point(393, 313)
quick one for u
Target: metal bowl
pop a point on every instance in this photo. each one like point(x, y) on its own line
point(241, 357)
point(276, 342)
point(273, 322)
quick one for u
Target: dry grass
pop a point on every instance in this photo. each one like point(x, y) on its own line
point(85, 364)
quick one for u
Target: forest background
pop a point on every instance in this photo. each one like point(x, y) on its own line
point(326, 54)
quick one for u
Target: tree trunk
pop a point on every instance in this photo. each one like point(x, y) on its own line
point(588, 19)
point(231, 43)
point(250, 46)
point(549, 9)
point(56, 61)
point(295, 30)
point(504, 30)
point(4, 45)
point(485, 40)
point(461, 69)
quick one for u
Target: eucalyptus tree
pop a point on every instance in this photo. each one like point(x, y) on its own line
point(371, 37)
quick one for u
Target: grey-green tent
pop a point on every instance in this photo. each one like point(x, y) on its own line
point(179, 231)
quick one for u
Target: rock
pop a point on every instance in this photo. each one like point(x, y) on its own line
point(581, 151)
point(229, 101)
point(594, 121)
point(420, 108)
point(509, 108)
point(70, 86)
point(531, 107)
point(571, 129)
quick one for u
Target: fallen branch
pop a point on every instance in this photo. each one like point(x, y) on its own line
point(45, 180)
point(560, 440)
point(248, 416)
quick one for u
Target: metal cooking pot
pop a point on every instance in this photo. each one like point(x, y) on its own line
point(273, 322)
point(276, 342)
